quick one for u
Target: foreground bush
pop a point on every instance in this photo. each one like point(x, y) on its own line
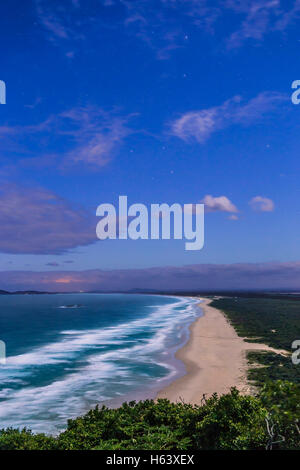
point(231, 421)
point(13, 439)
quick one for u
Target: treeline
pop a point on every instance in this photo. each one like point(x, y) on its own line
point(231, 421)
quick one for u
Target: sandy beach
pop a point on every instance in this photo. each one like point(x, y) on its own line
point(214, 357)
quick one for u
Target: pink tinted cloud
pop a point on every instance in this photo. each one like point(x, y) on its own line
point(194, 277)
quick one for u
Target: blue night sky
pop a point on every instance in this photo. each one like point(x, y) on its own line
point(162, 101)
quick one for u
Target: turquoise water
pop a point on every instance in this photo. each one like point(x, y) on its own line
point(68, 352)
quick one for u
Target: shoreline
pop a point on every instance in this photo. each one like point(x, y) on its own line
point(214, 357)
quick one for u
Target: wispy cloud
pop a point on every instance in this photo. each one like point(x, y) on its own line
point(61, 21)
point(262, 204)
point(288, 16)
point(89, 136)
point(96, 135)
point(38, 221)
point(254, 19)
point(260, 17)
point(49, 19)
point(163, 24)
point(201, 124)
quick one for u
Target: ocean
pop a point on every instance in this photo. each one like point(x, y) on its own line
point(68, 352)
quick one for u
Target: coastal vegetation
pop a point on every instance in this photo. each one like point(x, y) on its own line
point(271, 321)
point(232, 421)
point(265, 365)
point(275, 322)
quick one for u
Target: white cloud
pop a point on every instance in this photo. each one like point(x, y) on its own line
point(197, 124)
point(262, 204)
point(218, 204)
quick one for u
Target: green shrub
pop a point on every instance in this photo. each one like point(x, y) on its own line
point(231, 421)
point(282, 400)
point(13, 439)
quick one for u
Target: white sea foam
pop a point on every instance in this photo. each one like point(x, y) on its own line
point(101, 375)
